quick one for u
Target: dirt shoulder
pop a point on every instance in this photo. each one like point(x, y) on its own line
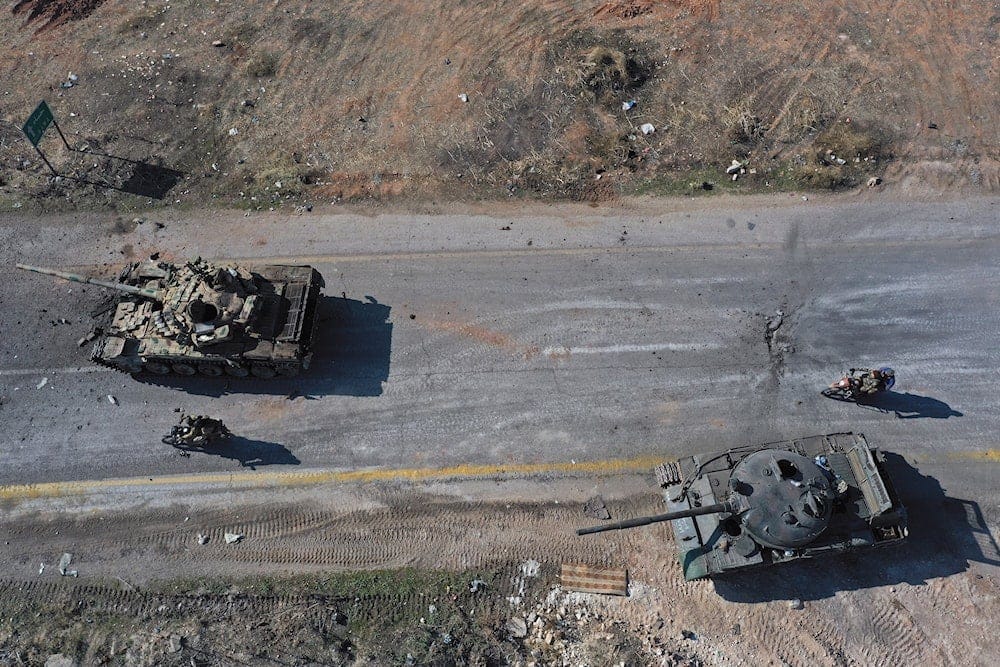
point(461, 100)
point(468, 570)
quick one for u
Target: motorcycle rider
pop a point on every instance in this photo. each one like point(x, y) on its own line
point(199, 429)
point(873, 381)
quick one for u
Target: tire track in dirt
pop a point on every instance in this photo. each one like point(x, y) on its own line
point(815, 635)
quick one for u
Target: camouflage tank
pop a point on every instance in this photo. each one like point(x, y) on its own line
point(196, 317)
point(774, 503)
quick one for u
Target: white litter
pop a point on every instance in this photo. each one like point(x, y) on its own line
point(112, 400)
point(233, 538)
point(647, 128)
point(42, 383)
point(463, 97)
point(233, 131)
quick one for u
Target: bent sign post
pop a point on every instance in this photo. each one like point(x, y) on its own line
point(34, 128)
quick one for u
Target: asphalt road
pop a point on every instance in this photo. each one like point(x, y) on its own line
point(576, 334)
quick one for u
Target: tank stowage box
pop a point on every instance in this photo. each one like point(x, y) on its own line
point(196, 317)
point(768, 504)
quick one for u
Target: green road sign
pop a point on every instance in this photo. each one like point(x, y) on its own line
point(37, 123)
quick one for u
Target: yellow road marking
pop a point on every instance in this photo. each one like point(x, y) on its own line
point(283, 478)
point(989, 455)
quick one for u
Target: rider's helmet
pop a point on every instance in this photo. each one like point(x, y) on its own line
point(889, 376)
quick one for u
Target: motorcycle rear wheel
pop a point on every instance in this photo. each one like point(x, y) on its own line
point(838, 394)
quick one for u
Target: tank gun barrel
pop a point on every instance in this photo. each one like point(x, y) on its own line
point(656, 518)
point(77, 278)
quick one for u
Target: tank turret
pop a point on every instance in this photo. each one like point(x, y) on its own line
point(197, 317)
point(760, 505)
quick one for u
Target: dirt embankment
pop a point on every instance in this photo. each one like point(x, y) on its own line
point(295, 102)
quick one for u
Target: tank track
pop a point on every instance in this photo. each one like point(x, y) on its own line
point(668, 474)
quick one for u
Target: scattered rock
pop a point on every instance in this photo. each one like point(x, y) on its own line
point(463, 97)
point(41, 383)
point(175, 644)
point(112, 400)
point(735, 168)
point(873, 181)
point(690, 636)
point(531, 568)
point(596, 508)
point(218, 43)
point(517, 627)
point(647, 128)
point(59, 660)
point(476, 584)
point(202, 539)
point(233, 538)
point(795, 604)
point(64, 562)
point(233, 131)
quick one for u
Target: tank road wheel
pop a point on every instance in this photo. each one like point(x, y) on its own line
point(156, 368)
point(237, 371)
point(263, 372)
point(183, 369)
point(211, 370)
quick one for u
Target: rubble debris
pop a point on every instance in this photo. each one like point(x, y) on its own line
point(175, 644)
point(476, 584)
point(531, 568)
point(233, 131)
point(596, 508)
point(60, 660)
point(647, 128)
point(64, 563)
point(517, 627)
point(775, 322)
point(233, 538)
point(202, 539)
point(734, 168)
point(41, 383)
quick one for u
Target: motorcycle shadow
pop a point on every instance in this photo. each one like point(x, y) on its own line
point(249, 453)
point(911, 406)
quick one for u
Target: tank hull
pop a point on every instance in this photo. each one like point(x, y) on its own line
point(280, 343)
point(867, 514)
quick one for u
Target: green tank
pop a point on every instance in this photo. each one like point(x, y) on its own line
point(763, 505)
point(201, 318)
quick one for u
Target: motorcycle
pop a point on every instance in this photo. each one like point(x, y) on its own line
point(197, 433)
point(860, 383)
